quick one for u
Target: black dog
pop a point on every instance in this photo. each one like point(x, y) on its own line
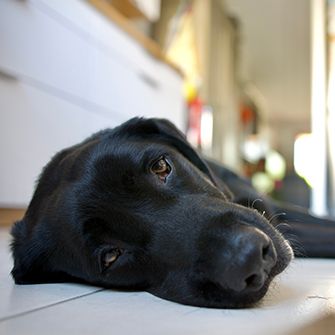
point(135, 207)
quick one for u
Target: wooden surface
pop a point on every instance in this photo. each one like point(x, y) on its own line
point(128, 9)
point(9, 215)
point(150, 45)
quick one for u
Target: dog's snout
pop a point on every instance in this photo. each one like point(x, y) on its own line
point(250, 261)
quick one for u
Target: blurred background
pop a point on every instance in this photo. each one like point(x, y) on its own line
point(250, 83)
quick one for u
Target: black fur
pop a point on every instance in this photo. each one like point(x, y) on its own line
point(202, 236)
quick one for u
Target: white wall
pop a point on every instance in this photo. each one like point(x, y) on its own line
point(65, 72)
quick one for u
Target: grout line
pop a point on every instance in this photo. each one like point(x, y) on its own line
point(6, 318)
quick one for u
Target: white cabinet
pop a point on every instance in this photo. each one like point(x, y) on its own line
point(67, 71)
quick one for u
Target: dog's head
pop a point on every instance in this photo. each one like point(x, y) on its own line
point(136, 208)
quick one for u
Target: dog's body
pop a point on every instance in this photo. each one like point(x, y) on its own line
point(135, 207)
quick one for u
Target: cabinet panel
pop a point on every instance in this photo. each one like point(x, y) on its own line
point(41, 45)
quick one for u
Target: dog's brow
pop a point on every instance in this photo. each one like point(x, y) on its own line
point(153, 152)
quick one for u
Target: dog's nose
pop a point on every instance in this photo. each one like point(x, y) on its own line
point(251, 259)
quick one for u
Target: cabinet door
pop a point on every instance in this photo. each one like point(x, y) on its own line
point(44, 45)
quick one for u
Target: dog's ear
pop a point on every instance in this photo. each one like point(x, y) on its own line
point(28, 255)
point(32, 256)
point(168, 132)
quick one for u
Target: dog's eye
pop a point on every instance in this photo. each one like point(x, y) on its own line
point(109, 257)
point(161, 168)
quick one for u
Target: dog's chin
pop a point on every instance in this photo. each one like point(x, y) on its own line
point(211, 295)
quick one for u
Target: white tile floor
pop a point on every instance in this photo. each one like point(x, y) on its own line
point(303, 294)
